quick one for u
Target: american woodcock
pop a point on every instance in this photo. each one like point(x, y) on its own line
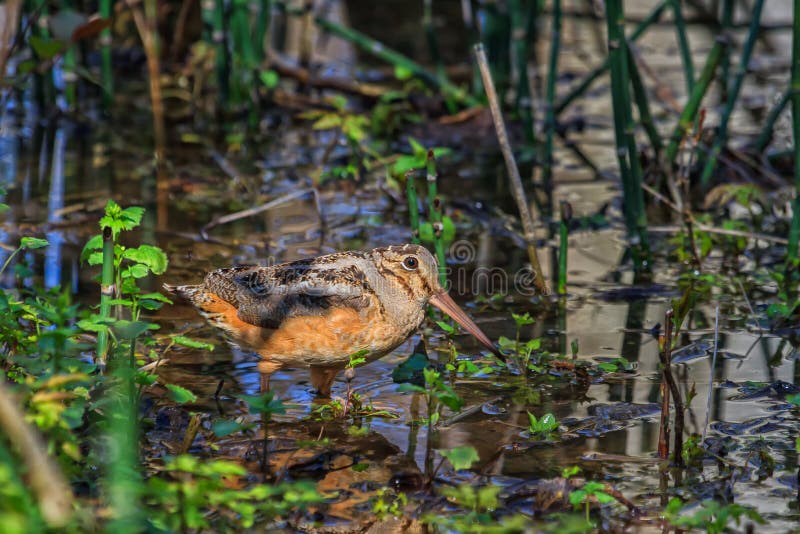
point(318, 312)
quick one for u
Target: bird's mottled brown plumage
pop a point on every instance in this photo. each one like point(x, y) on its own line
point(317, 312)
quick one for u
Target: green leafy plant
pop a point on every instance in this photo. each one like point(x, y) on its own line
point(544, 427)
point(480, 504)
point(188, 489)
point(712, 516)
point(590, 492)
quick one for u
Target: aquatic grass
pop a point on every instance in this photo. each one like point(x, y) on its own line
point(398, 60)
point(722, 132)
point(794, 231)
point(689, 113)
point(683, 44)
point(726, 29)
point(261, 30)
point(435, 216)
point(563, 232)
point(430, 37)
point(652, 18)
point(495, 26)
point(413, 206)
point(643, 104)
point(517, 190)
point(765, 136)
point(521, 40)
point(550, 117)
point(219, 40)
point(627, 151)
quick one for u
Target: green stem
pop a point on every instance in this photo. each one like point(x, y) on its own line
point(550, 117)
point(765, 137)
point(430, 36)
point(435, 214)
point(519, 23)
point(397, 59)
point(689, 113)
point(566, 215)
point(683, 44)
point(222, 67)
point(794, 231)
point(643, 104)
point(262, 28)
point(106, 291)
point(581, 88)
point(744, 61)
point(726, 29)
point(413, 206)
point(627, 151)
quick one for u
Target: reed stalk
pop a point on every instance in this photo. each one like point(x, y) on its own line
point(794, 231)
point(689, 113)
point(397, 59)
point(430, 36)
point(520, 39)
point(69, 76)
point(726, 29)
point(627, 151)
point(106, 68)
point(494, 34)
point(683, 44)
point(765, 136)
point(582, 87)
point(744, 61)
point(435, 215)
point(261, 33)
point(563, 232)
point(643, 104)
point(517, 190)
point(550, 116)
point(222, 68)
point(413, 206)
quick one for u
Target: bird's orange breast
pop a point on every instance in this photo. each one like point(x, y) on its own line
point(310, 340)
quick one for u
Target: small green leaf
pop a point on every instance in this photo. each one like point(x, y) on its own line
point(269, 78)
point(153, 257)
point(180, 394)
point(93, 245)
point(402, 73)
point(411, 387)
point(450, 329)
point(224, 427)
point(46, 48)
point(461, 457)
point(131, 329)
point(326, 122)
point(192, 343)
point(32, 243)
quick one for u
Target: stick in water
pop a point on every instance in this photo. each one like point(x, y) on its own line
point(511, 165)
point(713, 367)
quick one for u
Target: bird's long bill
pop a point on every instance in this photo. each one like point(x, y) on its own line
point(446, 304)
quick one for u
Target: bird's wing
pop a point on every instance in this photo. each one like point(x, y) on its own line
point(267, 296)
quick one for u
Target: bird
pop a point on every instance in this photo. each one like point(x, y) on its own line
point(317, 312)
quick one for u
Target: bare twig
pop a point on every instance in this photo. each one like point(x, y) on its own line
point(258, 209)
point(511, 165)
point(711, 374)
point(46, 479)
point(677, 400)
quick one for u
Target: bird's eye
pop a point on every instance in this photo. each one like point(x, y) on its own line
point(410, 263)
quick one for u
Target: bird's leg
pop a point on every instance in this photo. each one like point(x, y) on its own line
point(322, 379)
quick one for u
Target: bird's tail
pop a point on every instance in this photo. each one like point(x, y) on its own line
point(192, 294)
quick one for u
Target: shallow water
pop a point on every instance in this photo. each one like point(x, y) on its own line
point(58, 177)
